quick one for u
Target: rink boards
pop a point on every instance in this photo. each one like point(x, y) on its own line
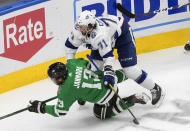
point(33, 36)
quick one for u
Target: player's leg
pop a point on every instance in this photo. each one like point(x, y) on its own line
point(115, 106)
point(127, 57)
point(130, 101)
point(104, 111)
point(140, 76)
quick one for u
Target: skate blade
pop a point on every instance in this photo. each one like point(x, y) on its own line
point(158, 104)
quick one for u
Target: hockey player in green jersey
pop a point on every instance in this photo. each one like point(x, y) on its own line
point(77, 82)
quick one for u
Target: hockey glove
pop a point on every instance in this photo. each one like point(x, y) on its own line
point(109, 76)
point(81, 102)
point(37, 106)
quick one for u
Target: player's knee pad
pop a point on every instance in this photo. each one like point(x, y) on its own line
point(105, 111)
point(140, 76)
point(132, 72)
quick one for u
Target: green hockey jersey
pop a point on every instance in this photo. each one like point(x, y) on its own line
point(81, 83)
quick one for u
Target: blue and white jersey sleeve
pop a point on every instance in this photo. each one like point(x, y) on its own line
point(103, 44)
point(72, 43)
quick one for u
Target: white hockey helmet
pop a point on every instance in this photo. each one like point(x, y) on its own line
point(86, 18)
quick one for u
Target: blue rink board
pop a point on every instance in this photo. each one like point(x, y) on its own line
point(19, 5)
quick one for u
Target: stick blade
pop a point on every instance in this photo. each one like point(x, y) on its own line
point(136, 121)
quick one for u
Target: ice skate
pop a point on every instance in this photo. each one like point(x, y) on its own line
point(140, 98)
point(157, 95)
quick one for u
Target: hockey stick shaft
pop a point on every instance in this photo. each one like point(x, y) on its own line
point(130, 15)
point(90, 59)
point(135, 119)
point(124, 103)
point(24, 109)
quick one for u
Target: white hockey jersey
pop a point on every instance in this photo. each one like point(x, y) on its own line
point(102, 38)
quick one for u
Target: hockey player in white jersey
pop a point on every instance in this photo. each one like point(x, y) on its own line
point(102, 35)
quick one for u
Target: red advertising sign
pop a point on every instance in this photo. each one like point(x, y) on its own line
point(24, 35)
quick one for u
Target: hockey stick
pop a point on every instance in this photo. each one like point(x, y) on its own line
point(130, 15)
point(24, 109)
point(135, 119)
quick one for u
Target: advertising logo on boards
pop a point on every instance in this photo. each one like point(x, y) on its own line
point(105, 7)
point(24, 35)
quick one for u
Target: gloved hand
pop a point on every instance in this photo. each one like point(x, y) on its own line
point(109, 76)
point(37, 106)
point(81, 102)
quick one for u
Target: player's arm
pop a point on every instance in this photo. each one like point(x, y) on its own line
point(72, 43)
point(60, 109)
point(65, 100)
point(106, 52)
point(56, 110)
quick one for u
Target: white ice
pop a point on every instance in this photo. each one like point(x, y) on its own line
point(170, 68)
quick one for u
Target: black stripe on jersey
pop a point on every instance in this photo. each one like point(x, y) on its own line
point(116, 108)
point(62, 114)
point(106, 96)
point(105, 22)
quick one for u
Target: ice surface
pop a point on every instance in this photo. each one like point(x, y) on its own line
point(170, 68)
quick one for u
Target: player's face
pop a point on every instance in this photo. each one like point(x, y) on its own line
point(57, 81)
point(85, 30)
